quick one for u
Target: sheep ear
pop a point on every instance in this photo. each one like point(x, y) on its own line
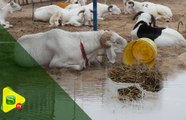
point(111, 55)
point(153, 21)
point(139, 13)
point(110, 8)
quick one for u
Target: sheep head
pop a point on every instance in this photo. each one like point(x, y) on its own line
point(86, 16)
point(146, 17)
point(114, 9)
point(105, 38)
point(110, 40)
point(14, 6)
point(129, 6)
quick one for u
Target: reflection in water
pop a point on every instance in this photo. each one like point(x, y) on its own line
point(98, 98)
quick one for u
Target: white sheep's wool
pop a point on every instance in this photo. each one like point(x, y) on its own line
point(2, 3)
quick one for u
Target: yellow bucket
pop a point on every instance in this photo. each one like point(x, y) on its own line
point(142, 50)
point(62, 4)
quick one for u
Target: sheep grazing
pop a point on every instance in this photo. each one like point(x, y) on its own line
point(6, 10)
point(145, 27)
point(59, 48)
point(160, 12)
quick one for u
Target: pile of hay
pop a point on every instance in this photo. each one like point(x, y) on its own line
point(148, 79)
point(129, 94)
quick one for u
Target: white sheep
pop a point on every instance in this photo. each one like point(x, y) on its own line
point(163, 37)
point(44, 13)
point(125, 6)
point(103, 10)
point(6, 10)
point(84, 17)
point(2, 3)
point(72, 6)
point(158, 11)
point(81, 2)
point(59, 48)
point(55, 18)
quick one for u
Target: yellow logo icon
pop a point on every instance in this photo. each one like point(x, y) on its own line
point(11, 100)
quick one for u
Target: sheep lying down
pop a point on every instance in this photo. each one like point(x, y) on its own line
point(163, 37)
point(59, 48)
point(5, 10)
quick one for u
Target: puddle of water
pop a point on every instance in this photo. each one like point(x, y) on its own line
point(98, 99)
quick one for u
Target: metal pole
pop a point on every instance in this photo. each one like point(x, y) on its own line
point(95, 21)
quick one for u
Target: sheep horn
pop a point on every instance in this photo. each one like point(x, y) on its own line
point(81, 11)
point(131, 3)
point(104, 38)
point(110, 7)
point(153, 21)
point(139, 13)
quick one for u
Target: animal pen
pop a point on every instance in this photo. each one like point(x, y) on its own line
point(101, 90)
point(26, 2)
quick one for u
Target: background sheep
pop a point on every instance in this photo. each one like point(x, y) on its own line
point(71, 6)
point(44, 13)
point(2, 3)
point(157, 10)
point(161, 36)
point(83, 17)
point(81, 2)
point(103, 9)
point(54, 19)
point(6, 10)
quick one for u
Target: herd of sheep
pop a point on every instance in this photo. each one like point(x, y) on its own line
point(59, 48)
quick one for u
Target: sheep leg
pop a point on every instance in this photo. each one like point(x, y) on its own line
point(56, 23)
point(75, 23)
point(75, 67)
point(100, 18)
point(58, 63)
